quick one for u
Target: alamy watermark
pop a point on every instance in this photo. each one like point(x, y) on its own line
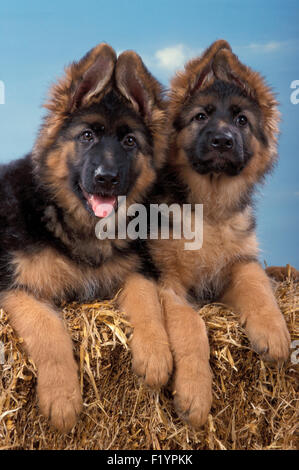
point(2, 92)
point(2, 355)
point(295, 94)
point(158, 221)
point(5, 359)
point(295, 353)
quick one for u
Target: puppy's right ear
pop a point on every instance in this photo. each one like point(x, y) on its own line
point(138, 85)
point(83, 80)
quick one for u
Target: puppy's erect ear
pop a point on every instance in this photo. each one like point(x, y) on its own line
point(83, 80)
point(202, 68)
point(96, 76)
point(227, 67)
point(137, 84)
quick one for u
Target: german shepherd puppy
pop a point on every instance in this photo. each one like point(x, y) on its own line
point(102, 137)
point(223, 121)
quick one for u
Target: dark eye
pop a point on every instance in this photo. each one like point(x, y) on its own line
point(242, 120)
point(87, 136)
point(201, 117)
point(129, 141)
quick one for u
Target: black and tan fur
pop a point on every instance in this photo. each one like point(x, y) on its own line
point(48, 248)
point(205, 103)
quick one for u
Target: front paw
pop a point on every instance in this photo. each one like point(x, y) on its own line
point(268, 335)
point(193, 396)
point(152, 358)
point(59, 395)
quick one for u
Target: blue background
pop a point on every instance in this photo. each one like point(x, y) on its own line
point(37, 39)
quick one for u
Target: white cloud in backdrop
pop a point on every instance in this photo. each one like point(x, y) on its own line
point(172, 58)
point(166, 61)
point(270, 46)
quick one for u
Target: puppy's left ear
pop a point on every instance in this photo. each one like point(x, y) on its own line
point(137, 84)
point(227, 67)
point(82, 81)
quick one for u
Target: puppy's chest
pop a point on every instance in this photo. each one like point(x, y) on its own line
point(205, 269)
point(49, 275)
point(219, 246)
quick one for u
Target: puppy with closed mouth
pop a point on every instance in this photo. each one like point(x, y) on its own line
point(223, 141)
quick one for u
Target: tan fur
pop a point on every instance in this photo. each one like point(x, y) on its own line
point(223, 244)
point(250, 294)
point(224, 268)
point(49, 275)
point(49, 345)
point(189, 344)
point(152, 358)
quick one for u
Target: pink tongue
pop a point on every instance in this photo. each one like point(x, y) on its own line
point(102, 206)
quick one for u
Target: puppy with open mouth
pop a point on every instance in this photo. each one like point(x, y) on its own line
point(103, 137)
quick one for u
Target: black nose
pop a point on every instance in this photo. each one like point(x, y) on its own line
point(222, 141)
point(107, 178)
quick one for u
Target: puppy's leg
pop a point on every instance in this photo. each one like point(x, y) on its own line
point(190, 346)
point(250, 294)
point(152, 358)
point(49, 345)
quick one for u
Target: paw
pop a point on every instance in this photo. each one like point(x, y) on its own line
point(193, 398)
point(152, 359)
point(269, 336)
point(59, 396)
